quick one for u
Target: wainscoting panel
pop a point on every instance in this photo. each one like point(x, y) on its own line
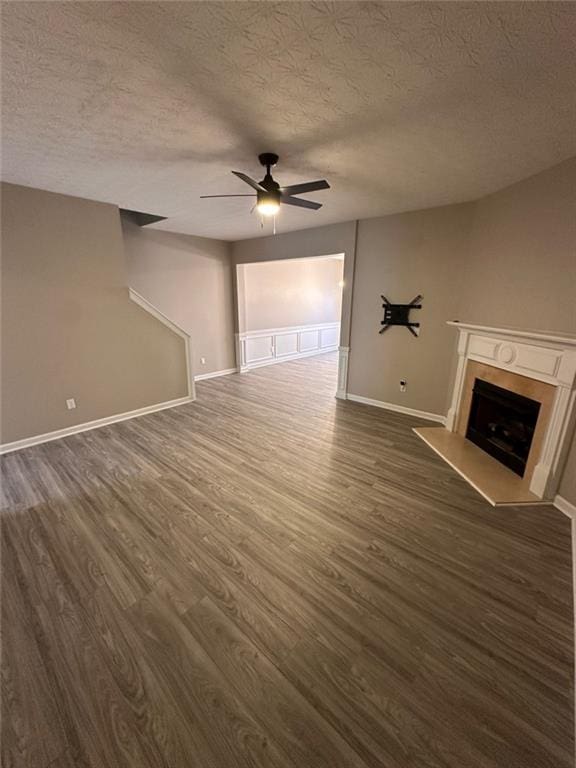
point(257, 348)
point(309, 340)
point(286, 344)
point(329, 337)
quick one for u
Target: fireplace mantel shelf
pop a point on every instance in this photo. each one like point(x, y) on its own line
point(555, 337)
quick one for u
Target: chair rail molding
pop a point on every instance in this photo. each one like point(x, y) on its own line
point(548, 357)
point(275, 345)
point(155, 312)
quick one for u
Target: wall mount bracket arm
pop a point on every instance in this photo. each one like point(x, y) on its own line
point(399, 314)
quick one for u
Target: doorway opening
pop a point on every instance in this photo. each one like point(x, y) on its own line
point(288, 310)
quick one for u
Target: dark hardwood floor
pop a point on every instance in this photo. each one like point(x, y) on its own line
point(271, 577)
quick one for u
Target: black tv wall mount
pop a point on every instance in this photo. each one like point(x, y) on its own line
point(399, 314)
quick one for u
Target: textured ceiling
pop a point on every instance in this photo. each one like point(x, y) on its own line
point(399, 105)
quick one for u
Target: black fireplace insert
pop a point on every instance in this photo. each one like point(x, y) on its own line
point(502, 423)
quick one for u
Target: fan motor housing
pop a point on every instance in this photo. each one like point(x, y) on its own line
point(271, 196)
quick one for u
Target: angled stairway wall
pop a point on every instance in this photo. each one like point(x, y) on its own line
point(189, 280)
point(69, 328)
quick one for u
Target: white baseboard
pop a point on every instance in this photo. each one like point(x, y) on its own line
point(27, 442)
point(397, 408)
point(565, 506)
point(569, 510)
point(215, 374)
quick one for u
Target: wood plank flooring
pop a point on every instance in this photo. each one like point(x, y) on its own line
point(271, 577)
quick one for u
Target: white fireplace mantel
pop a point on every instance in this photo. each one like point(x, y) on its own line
point(548, 357)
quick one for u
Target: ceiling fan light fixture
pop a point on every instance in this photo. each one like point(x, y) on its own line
point(268, 203)
point(270, 195)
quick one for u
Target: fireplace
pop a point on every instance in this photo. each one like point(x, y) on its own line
point(513, 407)
point(502, 423)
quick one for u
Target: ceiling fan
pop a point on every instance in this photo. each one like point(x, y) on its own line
point(270, 195)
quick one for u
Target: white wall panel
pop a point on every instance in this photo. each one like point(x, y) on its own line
point(329, 337)
point(259, 348)
point(286, 344)
point(309, 340)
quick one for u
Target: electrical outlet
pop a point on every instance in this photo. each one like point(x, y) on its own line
point(203, 361)
point(71, 404)
point(402, 385)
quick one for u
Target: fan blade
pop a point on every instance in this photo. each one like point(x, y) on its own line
point(308, 186)
point(248, 180)
point(203, 197)
point(300, 203)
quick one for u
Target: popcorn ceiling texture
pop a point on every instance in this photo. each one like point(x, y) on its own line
point(400, 106)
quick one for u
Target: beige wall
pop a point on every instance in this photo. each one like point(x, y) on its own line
point(68, 326)
point(521, 270)
point(568, 483)
point(189, 279)
point(320, 241)
point(277, 294)
point(507, 259)
point(402, 256)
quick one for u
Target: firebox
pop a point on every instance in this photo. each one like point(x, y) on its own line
point(502, 423)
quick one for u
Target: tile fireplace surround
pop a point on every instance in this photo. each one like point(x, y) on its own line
point(537, 364)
